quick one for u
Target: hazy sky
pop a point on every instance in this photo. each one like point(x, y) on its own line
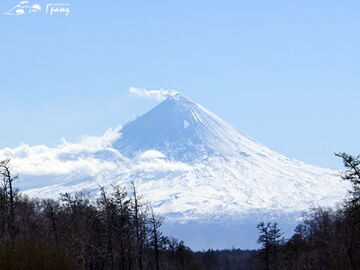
point(285, 73)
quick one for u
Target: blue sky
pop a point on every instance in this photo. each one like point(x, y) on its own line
point(285, 73)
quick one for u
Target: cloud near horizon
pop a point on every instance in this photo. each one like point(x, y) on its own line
point(91, 157)
point(65, 158)
point(157, 94)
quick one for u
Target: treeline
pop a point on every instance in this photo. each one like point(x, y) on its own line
point(234, 259)
point(326, 239)
point(119, 231)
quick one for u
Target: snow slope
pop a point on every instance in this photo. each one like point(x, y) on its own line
point(189, 162)
point(229, 173)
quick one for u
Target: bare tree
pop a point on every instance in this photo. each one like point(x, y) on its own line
point(108, 209)
point(139, 220)
point(156, 236)
point(9, 197)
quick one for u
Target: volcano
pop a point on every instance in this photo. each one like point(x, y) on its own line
point(196, 169)
point(229, 171)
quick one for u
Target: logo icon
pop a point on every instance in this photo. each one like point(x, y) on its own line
point(23, 8)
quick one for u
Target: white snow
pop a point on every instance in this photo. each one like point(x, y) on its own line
point(189, 162)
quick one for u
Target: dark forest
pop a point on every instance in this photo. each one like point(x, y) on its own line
point(119, 230)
